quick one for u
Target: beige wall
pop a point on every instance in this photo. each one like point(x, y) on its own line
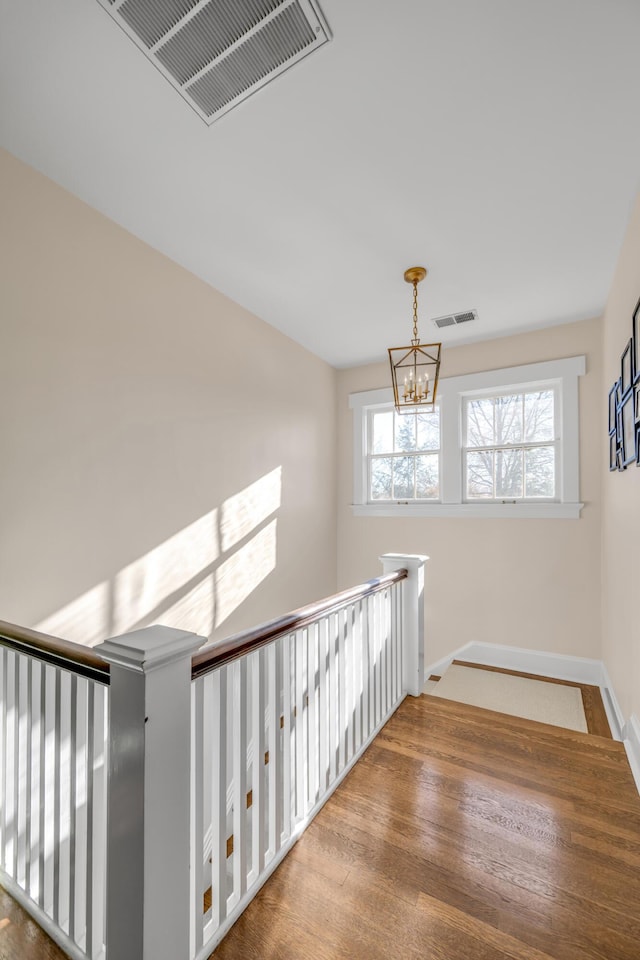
point(154, 467)
point(621, 497)
point(529, 583)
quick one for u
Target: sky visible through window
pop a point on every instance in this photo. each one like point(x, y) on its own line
point(405, 456)
point(510, 446)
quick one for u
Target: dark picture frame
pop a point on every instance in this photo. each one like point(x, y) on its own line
point(627, 431)
point(635, 357)
point(624, 403)
point(636, 394)
point(626, 369)
point(614, 395)
point(613, 451)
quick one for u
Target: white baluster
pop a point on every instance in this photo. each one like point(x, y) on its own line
point(219, 890)
point(97, 834)
point(300, 712)
point(348, 681)
point(342, 693)
point(79, 814)
point(239, 670)
point(258, 805)
point(273, 653)
point(197, 811)
point(312, 732)
point(333, 740)
point(287, 676)
point(323, 708)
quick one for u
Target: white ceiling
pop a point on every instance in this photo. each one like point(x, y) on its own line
point(496, 142)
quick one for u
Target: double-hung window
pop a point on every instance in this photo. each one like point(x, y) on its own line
point(510, 445)
point(501, 443)
point(403, 456)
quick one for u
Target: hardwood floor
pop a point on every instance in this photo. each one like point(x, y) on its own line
point(20, 937)
point(462, 834)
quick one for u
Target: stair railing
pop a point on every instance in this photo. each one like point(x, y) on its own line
point(53, 789)
point(151, 785)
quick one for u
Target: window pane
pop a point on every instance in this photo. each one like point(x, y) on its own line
point(480, 431)
point(480, 475)
point(383, 432)
point(405, 430)
point(540, 472)
point(538, 416)
point(381, 473)
point(508, 413)
point(403, 484)
point(429, 430)
point(509, 474)
point(427, 477)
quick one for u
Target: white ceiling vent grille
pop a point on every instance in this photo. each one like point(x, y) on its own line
point(216, 53)
point(455, 318)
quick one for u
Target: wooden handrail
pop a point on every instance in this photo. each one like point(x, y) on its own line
point(232, 648)
point(53, 650)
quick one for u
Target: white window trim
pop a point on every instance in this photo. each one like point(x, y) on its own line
point(567, 506)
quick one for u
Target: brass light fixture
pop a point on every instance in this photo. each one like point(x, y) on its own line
point(415, 369)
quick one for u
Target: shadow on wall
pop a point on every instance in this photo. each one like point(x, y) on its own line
point(194, 580)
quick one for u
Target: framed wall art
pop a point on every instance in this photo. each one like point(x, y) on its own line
point(637, 409)
point(613, 452)
point(627, 430)
point(626, 373)
point(624, 403)
point(635, 356)
point(614, 401)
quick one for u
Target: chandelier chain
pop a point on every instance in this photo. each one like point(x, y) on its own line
point(415, 309)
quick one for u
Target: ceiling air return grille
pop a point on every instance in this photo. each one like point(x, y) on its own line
point(453, 318)
point(216, 53)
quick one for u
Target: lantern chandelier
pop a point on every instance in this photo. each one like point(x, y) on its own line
point(415, 369)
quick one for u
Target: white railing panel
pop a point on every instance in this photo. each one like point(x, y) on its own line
point(280, 727)
point(53, 814)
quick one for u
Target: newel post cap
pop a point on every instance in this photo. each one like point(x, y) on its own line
point(412, 561)
point(152, 647)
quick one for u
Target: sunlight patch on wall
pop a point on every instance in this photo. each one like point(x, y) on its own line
point(85, 620)
point(239, 576)
point(146, 584)
point(193, 580)
point(193, 611)
point(245, 511)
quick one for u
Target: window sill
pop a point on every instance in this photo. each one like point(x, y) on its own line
point(489, 511)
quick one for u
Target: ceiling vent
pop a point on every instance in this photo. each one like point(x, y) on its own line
point(455, 318)
point(216, 53)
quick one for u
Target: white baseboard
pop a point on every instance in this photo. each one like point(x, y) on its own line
point(615, 715)
point(438, 667)
point(632, 746)
point(557, 665)
point(560, 666)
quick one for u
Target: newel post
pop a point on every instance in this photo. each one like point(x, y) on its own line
point(148, 794)
point(412, 616)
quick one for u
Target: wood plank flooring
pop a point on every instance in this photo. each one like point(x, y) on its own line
point(462, 834)
point(20, 937)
